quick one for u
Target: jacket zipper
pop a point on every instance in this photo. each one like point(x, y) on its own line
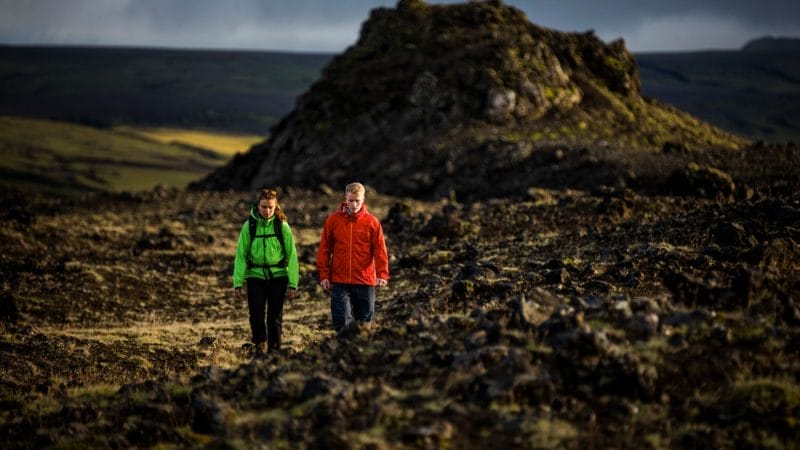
point(350, 262)
point(267, 270)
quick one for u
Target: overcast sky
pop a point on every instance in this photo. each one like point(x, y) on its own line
point(333, 25)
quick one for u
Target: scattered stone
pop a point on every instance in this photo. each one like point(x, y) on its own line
point(399, 218)
point(209, 415)
point(208, 374)
point(208, 341)
point(733, 234)
point(622, 310)
point(445, 225)
point(530, 312)
point(694, 291)
point(703, 181)
point(674, 148)
point(533, 388)
point(476, 339)
point(323, 385)
point(248, 347)
point(642, 326)
point(558, 276)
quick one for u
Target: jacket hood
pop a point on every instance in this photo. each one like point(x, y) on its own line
point(256, 215)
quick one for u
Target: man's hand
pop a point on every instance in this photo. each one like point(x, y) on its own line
point(382, 282)
point(238, 293)
point(326, 284)
point(291, 293)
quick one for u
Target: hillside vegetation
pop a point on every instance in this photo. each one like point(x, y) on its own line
point(226, 143)
point(67, 159)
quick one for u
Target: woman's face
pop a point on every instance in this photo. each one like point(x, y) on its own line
point(267, 207)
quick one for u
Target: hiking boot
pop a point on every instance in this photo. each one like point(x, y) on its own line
point(259, 350)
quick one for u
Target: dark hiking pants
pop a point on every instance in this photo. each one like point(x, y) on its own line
point(351, 302)
point(269, 295)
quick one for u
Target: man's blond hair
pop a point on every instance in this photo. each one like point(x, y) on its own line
point(355, 188)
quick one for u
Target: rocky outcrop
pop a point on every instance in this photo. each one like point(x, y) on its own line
point(441, 100)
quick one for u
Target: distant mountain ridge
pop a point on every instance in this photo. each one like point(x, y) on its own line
point(731, 89)
point(770, 43)
point(754, 92)
point(240, 91)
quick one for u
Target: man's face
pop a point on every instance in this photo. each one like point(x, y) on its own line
point(354, 202)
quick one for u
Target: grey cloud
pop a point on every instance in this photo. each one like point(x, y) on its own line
point(207, 12)
point(328, 25)
point(278, 24)
point(613, 12)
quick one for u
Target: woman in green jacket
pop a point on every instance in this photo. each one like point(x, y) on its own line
point(266, 260)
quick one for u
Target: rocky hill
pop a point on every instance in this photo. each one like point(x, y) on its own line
point(444, 100)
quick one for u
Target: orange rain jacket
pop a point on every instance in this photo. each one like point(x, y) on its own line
point(352, 249)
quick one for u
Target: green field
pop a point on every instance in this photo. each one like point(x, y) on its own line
point(67, 159)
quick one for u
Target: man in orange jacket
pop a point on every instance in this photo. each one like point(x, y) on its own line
point(352, 259)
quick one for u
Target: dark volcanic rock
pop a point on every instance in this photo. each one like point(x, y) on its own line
point(208, 414)
point(703, 181)
point(553, 321)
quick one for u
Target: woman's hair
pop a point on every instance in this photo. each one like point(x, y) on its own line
point(271, 194)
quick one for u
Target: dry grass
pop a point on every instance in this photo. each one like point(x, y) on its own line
point(68, 159)
point(225, 143)
point(302, 319)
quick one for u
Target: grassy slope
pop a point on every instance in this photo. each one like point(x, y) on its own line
point(69, 159)
point(225, 143)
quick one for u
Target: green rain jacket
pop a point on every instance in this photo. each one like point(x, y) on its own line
point(265, 251)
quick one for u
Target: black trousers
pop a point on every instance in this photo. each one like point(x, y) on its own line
point(269, 295)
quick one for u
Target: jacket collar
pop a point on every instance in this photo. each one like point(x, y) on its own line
point(343, 209)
